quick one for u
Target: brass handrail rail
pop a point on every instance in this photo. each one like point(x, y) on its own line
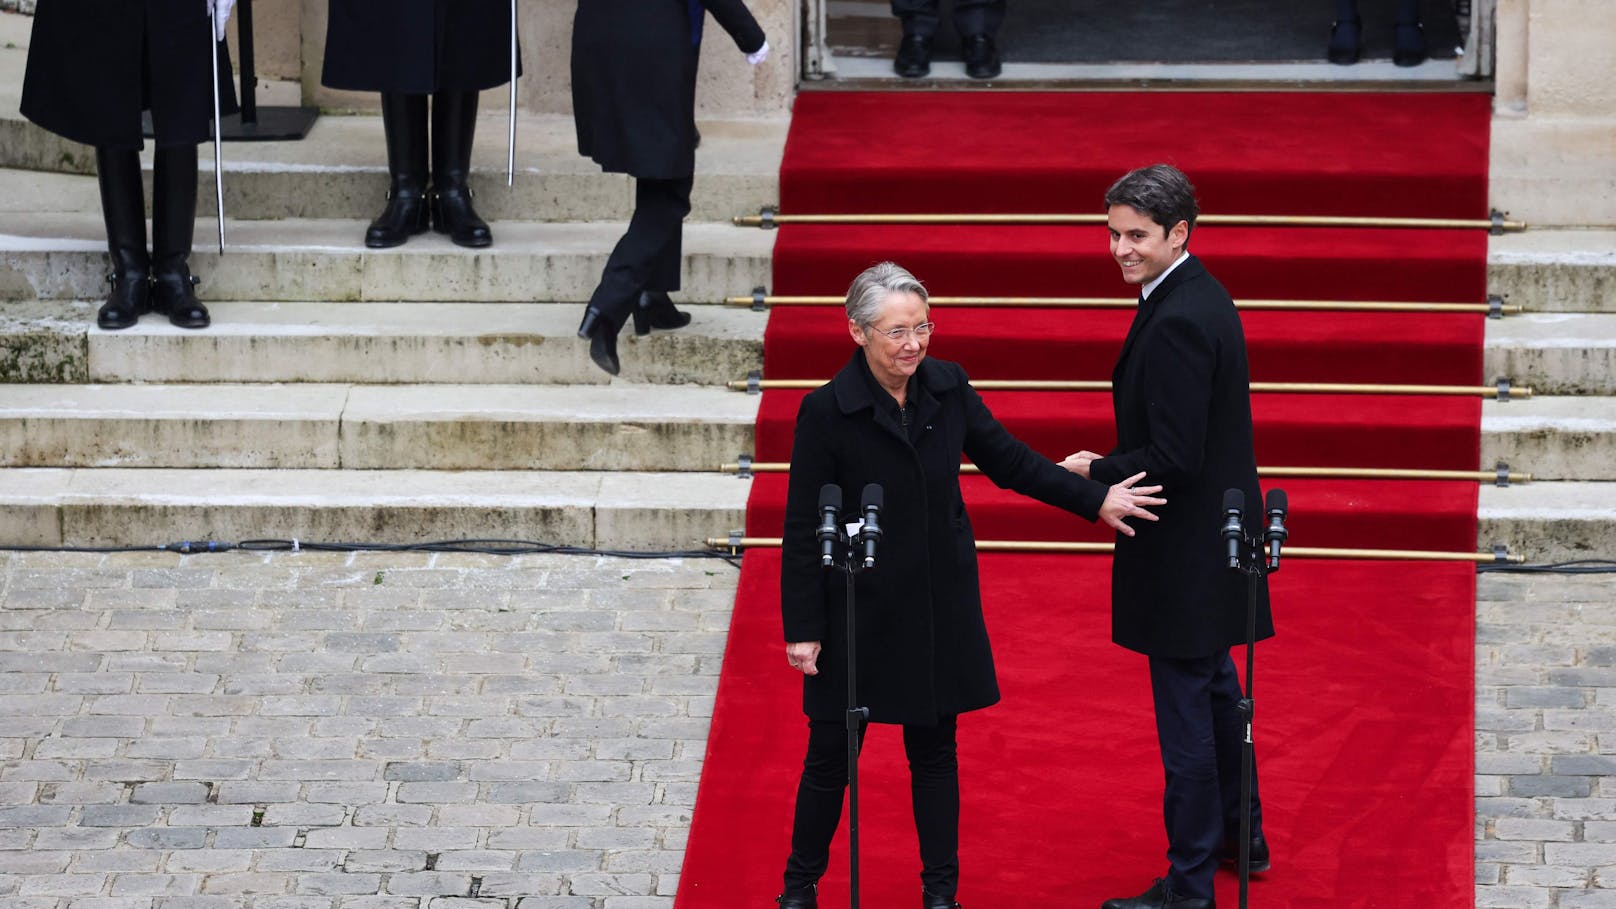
point(737, 543)
point(1269, 473)
point(769, 218)
point(760, 299)
point(1069, 385)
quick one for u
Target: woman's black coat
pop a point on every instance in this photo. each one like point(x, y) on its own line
point(634, 80)
point(922, 642)
point(95, 65)
point(1181, 392)
point(417, 46)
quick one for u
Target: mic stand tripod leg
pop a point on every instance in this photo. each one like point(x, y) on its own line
point(1247, 707)
point(857, 717)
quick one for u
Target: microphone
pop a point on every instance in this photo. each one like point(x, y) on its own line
point(830, 503)
point(1276, 534)
point(1234, 502)
point(871, 533)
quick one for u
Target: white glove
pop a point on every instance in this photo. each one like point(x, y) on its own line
point(219, 11)
point(757, 56)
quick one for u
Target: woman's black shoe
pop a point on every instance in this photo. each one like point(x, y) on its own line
point(655, 310)
point(404, 217)
point(1346, 39)
point(130, 296)
point(806, 898)
point(452, 214)
point(174, 294)
point(1408, 45)
point(602, 335)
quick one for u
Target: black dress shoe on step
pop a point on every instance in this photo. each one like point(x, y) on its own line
point(914, 57)
point(981, 57)
point(1408, 44)
point(1346, 42)
point(655, 310)
point(807, 898)
point(1159, 896)
point(932, 901)
point(602, 335)
point(1259, 853)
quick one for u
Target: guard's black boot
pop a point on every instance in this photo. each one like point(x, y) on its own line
point(173, 227)
point(454, 123)
point(404, 122)
point(123, 205)
point(655, 310)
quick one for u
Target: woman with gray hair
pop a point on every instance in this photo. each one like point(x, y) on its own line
point(891, 416)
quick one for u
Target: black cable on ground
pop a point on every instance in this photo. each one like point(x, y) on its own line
point(1575, 566)
point(476, 546)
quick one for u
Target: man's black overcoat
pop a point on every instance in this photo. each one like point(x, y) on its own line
point(923, 645)
point(417, 46)
point(1182, 399)
point(95, 65)
point(634, 81)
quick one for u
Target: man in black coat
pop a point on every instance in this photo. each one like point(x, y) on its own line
point(891, 416)
point(410, 50)
point(975, 21)
point(634, 104)
point(93, 67)
point(1182, 400)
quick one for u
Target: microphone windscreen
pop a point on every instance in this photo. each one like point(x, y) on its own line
point(830, 496)
point(1276, 501)
point(1234, 500)
point(872, 496)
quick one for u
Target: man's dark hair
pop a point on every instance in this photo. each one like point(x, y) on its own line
point(1160, 192)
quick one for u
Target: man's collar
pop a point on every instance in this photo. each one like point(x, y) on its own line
point(1148, 289)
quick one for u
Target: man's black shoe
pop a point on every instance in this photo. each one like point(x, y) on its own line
point(932, 901)
point(981, 57)
point(914, 57)
point(1259, 853)
point(1159, 896)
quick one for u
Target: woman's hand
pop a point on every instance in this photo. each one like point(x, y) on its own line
point(803, 656)
point(1125, 500)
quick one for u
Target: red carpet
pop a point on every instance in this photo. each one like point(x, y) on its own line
point(1366, 695)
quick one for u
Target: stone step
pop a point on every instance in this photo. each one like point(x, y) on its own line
point(1555, 353)
point(1550, 522)
point(1560, 270)
point(134, 507)
point(63, 257)
point(369, 343)
point(622, 426)
point(1552, 438)
point(340, 172)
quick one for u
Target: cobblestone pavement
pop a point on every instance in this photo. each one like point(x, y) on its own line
point(413, 731)
point(1546, 741)
point(352, 731)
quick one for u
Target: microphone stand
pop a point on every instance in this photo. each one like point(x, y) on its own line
point(1254, 571)
point(857, 717)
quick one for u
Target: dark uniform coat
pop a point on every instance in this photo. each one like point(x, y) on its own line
point(922, 646)
point(95, 65)
point(417, 46)
point(634, 80)
point(1182, 398)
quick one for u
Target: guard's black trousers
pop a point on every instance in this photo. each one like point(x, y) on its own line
point(971, 17)
point(649, 254)
point(933, 790)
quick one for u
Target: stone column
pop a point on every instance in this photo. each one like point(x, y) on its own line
point(1554, 123)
